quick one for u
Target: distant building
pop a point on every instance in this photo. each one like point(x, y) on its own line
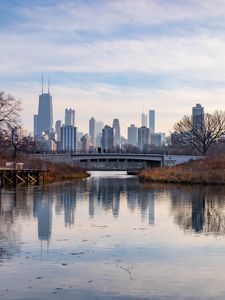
point(163, 138)
point(85, 142)
point(176, 140)
point(143, 137)
point(116, 139)
point(68, 138)
point(99, 125)
point(99, 140)
point(92, 131)
point(152, 121)
point(70, 117)
point(35, 125)
point(107, 138)
point(45, 114)
point(144, 120)
point(198, 116)
point(132, 134)
point(46, 144)
point(58, 125)
point(43, 121)
point(17, 133)
point(155, 139)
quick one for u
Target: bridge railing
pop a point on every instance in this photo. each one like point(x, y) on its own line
point(81, 152)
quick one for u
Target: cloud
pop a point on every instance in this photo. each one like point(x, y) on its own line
point(187, 56)
point(162, 54)
point(109, 15)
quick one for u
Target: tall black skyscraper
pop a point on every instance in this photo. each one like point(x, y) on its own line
point(44, 118)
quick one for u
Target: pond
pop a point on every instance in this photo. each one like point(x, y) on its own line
point(111, 237)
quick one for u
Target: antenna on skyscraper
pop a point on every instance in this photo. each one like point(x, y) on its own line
point(42, 84)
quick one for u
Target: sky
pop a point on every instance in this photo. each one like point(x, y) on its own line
point(114, 58)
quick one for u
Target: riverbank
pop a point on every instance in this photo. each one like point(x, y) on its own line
point(54, 172)
point(58, 172)
point(210, 170)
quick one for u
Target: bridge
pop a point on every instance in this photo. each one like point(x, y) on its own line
point(130, 162)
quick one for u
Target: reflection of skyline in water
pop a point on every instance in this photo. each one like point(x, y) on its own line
point(43, 212)
point(66, 203)
point(108, 192)
point(101, 193)
point(198, 209)
point(100, 235)
point(201, 209)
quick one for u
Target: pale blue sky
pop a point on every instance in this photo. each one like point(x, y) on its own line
point(114, 58)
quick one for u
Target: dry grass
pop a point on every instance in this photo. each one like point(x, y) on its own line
point(210, 170)
point(54, 172)
point(58, 172)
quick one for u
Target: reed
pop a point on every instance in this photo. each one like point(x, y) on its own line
point(54, 171)
point(59, 172)
point(210, 170)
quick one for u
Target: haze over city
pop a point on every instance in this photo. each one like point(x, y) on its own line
point(114, 59)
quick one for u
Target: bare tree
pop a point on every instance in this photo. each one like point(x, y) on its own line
point(202, 135)
point(9, 111)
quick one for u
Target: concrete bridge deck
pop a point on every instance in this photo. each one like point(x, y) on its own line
point(115, 161)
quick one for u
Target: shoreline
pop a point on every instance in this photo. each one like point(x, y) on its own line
point(53, 178)
point(208, 171)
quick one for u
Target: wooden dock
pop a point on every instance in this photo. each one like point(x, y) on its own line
point(13, 177)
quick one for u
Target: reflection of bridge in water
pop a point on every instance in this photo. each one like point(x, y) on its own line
point(116, 161)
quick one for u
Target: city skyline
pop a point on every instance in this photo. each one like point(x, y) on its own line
point(98, 58)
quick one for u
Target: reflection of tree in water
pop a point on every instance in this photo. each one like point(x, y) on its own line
point(201, 209)
point(13, 204)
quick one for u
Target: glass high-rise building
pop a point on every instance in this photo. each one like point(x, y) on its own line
point(144, 120)
point(107, 138)
point(116, 126)
point(36, 125)
point(152, 120)
point(92, 131)
point(132, 134)
point(68, 138)
point(58, 125)
point(45, 113)
point(70, 117)
point(198, 117)
point(143, 137)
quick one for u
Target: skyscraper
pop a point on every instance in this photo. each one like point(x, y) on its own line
point(132, 134)
point(144, 120)
point(155, 139)
point(85, 143)
point(45, 114)
point(99, 125)
point(44, 119)
point(116, 139)
point(143, 137)
point(92, 131)
point(198, 117)
point(58, 125)
point(70, 117)
point(107, 137)
point(152, 120)
point(35, 125)
point(68, 138)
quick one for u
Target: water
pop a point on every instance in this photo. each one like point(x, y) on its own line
point(110, 237)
